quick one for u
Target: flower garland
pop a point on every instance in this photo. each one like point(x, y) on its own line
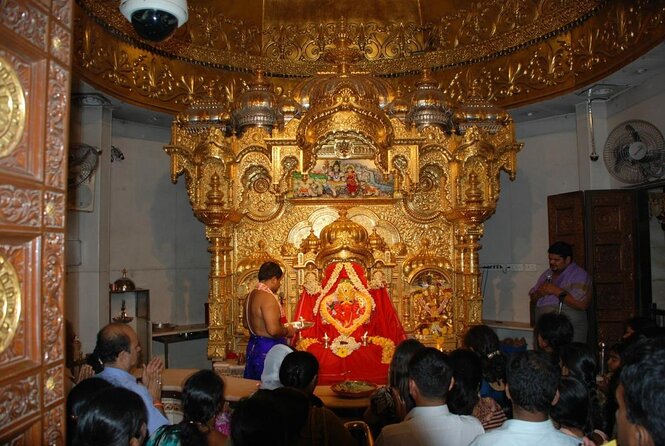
point(343, 346)
point(305, 343)
point(353, 277)
point(387, 347)
point(328, 318)
point(333, 278)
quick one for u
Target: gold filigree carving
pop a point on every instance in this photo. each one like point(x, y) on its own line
point(523, 57)
point(453, 32)
point(12, 108)
point(19, 160)
point(16, 349)
point(10, 302)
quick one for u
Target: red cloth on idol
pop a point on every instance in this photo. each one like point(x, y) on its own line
point(367, 363)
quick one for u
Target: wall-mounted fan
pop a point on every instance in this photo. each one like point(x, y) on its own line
point(635, 152)
point(83, 161)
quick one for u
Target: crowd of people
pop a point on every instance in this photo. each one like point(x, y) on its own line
point(476, 395)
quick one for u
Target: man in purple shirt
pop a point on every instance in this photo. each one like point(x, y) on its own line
point(564, 287)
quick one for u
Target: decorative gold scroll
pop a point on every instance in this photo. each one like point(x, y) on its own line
point(12, 108)
point(10, 302)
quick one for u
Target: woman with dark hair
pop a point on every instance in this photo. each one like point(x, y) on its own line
point(552, 332)
point(300, 370)
point(262, 419)
point(464, 399)
point(578, 361)
point(78, 396)
point(389, 404)
point(112, 417)
point(571, 414)
point(484, 342)
point(284, 416)
point(202, 399)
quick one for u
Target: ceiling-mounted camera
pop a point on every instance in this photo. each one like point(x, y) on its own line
point(155, 20)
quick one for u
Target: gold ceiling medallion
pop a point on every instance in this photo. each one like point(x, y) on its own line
point(12, 108)
point(10, 303)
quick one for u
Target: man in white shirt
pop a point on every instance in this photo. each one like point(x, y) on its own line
point(430, 423)
point(532, 382)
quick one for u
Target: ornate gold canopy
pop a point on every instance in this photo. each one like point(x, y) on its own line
point(518, 51)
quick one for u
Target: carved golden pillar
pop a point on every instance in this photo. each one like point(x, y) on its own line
point(219, 232)
point(206, 158)
point(469, 216)
point(477, 162)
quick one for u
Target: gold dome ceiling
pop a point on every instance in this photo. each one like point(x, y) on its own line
point(515, 52)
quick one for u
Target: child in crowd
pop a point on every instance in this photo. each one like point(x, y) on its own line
point(483, 341)
point(464, 397)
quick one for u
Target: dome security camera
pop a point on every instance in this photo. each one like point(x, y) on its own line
point(155, 20)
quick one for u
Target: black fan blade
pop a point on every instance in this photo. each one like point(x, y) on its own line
point(633, 133)
point(620, 157)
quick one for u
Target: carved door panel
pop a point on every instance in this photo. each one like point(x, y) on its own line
point(566, 222)
point(602, 227)
point(612, 243)
point(34, 97)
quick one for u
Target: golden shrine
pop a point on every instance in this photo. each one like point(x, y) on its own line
point(343, 169)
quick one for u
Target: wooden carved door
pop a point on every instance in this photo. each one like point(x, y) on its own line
point(602, 226)
point(35, 67)
point(612, 243)
point(566, 222)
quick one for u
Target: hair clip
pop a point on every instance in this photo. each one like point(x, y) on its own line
point(493, 354)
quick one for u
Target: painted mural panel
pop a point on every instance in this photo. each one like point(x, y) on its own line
point(343, 179)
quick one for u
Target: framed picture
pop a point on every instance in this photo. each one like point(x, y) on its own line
point(343, 179)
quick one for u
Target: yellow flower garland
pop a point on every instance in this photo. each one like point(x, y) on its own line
point(387, 348)
point(305, 343)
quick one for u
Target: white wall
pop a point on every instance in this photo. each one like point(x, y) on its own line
point(141, 222)
point(87, 248)
point(517, 233)
point(153, 232)
point(155, 236)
